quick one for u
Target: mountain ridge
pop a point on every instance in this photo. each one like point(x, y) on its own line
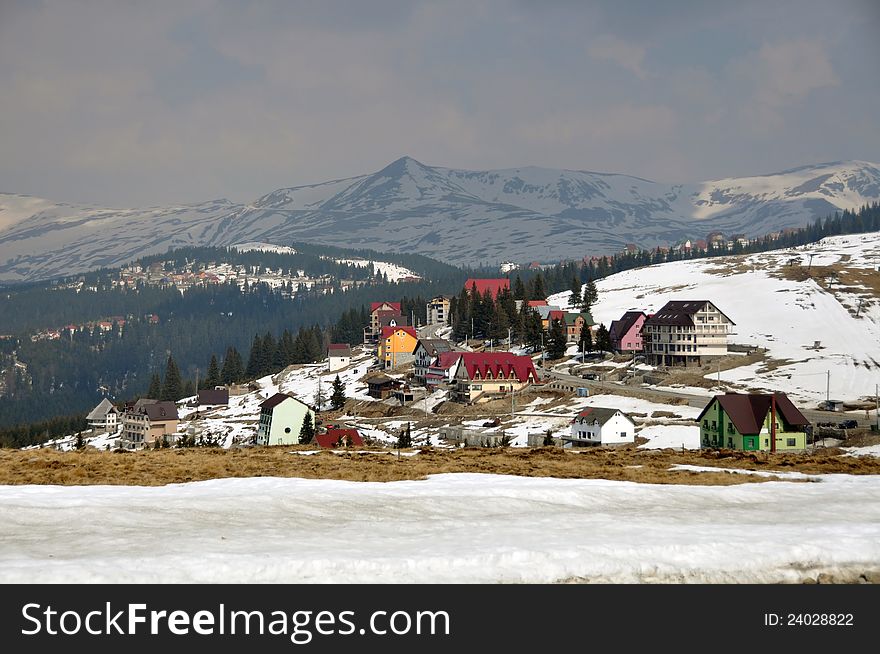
point(461, 216)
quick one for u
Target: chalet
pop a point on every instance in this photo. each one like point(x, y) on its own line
point(378, 310)
point(337, 437)
point(601, 426)
point(441, 369)
point(281, 419)
point(483, 376)
point(379, 386)
point(686, 332)
point(396, 345)
point(494, 286)
point(426, 350)
point(148, 421)
point(104, 417)
point(753, 421)
point(338, 356)
point(213, 397)
point(438, 310)
point(626, 333)
point(575, 323)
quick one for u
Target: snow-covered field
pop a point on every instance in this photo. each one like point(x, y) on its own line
point(786, 317)
point(394, 272)
point(449, 528)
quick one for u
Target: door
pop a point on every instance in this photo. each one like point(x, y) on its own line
point(750, 442)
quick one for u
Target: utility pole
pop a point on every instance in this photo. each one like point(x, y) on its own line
point(859, 309)
point(877, 405)
point(828, 386)
point(811, 261)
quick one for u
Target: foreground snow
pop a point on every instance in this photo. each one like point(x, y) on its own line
point(448, 528)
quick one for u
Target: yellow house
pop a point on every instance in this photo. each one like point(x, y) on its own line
point(396, 345)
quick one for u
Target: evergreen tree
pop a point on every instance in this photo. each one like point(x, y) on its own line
point(557, 343)
point(189, 388)
point(267, 355)
point(255, 359)
point(307, 431)
point(337, 398)
point(172, 385)
point(519, 289)
point(213, 377)
point(155, 389)
point(404, 440)
point(575, 300)
point(603, 339)
point(590, 295)
point(586, 342)
point(232, 371)
point(537, 291)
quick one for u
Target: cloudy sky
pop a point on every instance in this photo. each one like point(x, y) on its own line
point(162, 102)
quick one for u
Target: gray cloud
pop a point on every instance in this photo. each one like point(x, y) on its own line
point(148, 103)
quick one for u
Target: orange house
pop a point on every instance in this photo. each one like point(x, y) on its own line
point(396, 346)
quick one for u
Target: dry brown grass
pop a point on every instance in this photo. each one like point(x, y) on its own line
point(159, 467)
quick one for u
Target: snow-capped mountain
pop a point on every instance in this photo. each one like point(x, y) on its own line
point(459, 216)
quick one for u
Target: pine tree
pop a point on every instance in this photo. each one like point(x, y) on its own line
point(155, 389)
point(255, 359)
point(404, 440)
point(557, 340)
point(232, 371)
point(519, 289)
point(213, 377)
point(267, 355)
point(307, 431)
point(172, 385)
point(337, 398)
point(575, 300)
point(603, 339)
point(586, 342)
point(537, 291)
point(590, 295)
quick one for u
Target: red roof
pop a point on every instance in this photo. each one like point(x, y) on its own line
point(494, 286)
point(496, 363)
point(445, 360)
point(388, 331)
point(331, 438)
point(556, 315)
point(537, 303)
point(393, 305)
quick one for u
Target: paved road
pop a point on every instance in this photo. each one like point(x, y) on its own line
point(700, 401)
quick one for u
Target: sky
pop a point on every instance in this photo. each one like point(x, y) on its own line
point(140, 104)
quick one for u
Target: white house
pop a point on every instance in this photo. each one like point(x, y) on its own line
point(427, 350)
point(339, 356)
point(104, 417)
point(601, 426)
point(281, 419)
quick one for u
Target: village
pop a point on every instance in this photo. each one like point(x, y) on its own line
point(409, 385)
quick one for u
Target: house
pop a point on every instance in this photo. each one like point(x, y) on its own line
point(338, 356)
point(426, 350)
point(396, 345)
point(281, 419)
point(574, 324)
point(214, 397)
point(441, 369)
point(601, 426)
point(483, 376)
point(626, 333)
point(630, 248)
point(686, 332)
point(148, 421)
point(338, 437)
point(104, 417)
point(548, 312)
point(377, 311)
point(379, 386)
point(752, 421)
point(494, 286)
point(438, 310)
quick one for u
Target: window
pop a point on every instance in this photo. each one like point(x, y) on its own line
point(287, 430)
point(730, 442)
point(714, 425)
point(623, 434)
point(766, 442)
point(476, 387)
point(730, 429)
point(790, 442)
point(706, 424)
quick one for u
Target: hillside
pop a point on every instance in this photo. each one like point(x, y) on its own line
point(786, 301)
point(459, 216)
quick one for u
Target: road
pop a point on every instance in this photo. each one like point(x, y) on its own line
point(700, 401)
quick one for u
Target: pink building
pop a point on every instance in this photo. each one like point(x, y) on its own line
point(626, 333)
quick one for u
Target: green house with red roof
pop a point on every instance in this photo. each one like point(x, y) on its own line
point(753, 422)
